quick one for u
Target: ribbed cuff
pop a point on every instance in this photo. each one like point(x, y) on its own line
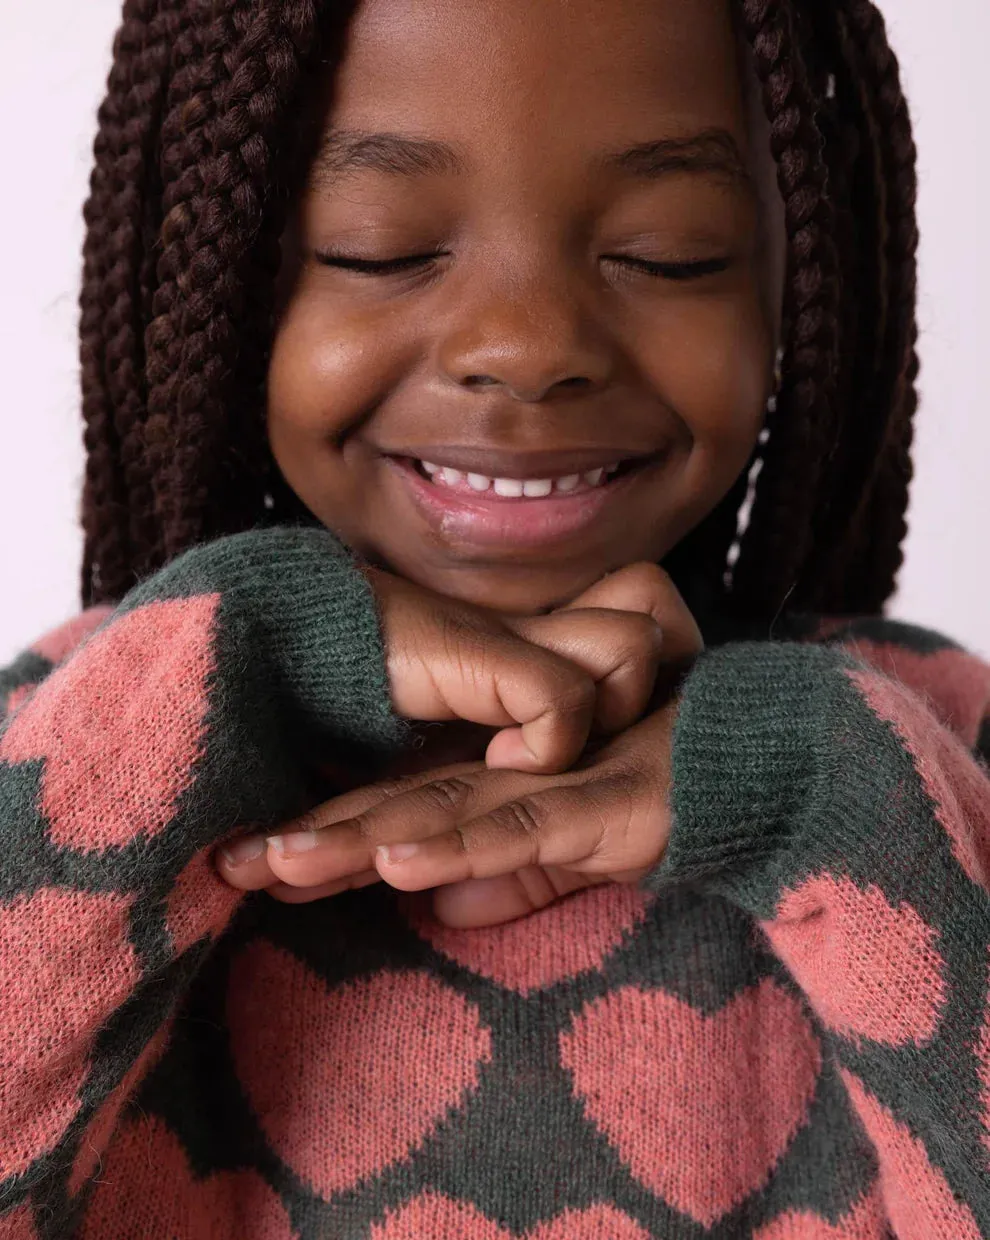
point(752, 760)
point(301, 619)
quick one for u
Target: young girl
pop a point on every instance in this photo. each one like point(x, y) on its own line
point(415, 337)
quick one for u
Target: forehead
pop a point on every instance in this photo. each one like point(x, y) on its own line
point(484, 73)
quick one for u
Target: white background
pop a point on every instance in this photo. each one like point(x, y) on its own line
point(54, 61)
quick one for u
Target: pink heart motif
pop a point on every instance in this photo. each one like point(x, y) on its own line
point(665, 1082)
point(918, 1198)
point(566, 938)
point(225, 1206)
point(19, 1224)
point(865, 1221)
point(349, 1079)
point(440, 1218)
point(139, 686)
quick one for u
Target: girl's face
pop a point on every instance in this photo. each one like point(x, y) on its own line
point(591, 186)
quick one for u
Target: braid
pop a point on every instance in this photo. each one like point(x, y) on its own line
point(183, 222)
point(211, 252)
point(803, 430)
point(866, 555)
point(110, 338)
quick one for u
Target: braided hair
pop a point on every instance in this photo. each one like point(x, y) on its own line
point(188, 199)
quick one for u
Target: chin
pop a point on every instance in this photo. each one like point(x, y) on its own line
point(509, 589)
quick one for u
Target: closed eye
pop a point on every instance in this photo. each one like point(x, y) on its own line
point(674, 271)
point(372, 266)
point(392, 266)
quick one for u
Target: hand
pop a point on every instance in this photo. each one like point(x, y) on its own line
point(640, 587)
point(465, 826)
point(589, 666)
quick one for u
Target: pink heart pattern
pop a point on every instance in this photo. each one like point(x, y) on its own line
point(18, 1225)
point(737, 1083)
point(917, 1198)
point(348, 1080)
point(87, 727)
point(560, 941)
point(955, 785)
point(865, 1221)
point(845, 943)
point(982, 1050)
point(225, 1206)
point(51, 1015)
point(97, 1136)
point(439, 1218)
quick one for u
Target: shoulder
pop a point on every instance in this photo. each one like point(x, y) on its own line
point(954, 683)
point(35, 663)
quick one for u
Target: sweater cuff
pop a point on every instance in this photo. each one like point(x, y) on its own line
point(300, 620)
point(752, 760)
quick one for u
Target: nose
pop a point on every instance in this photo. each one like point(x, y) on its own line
point(528, 334)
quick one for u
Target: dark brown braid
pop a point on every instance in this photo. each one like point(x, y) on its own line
point(193, 165)
point(118, 244)
point(804, 429)
point(878, 479)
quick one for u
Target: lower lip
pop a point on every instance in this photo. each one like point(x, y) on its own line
point(510, 522)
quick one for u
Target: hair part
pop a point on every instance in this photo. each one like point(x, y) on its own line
point(188, 197)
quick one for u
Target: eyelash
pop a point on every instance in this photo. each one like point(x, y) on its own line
point(394, 266)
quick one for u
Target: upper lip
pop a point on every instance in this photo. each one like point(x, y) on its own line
point(499, 463)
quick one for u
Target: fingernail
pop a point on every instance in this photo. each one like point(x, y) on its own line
point(247, 848)
point(392, 853)
point(293, 842)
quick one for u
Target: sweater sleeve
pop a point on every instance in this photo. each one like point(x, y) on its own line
point(836, 806)
point(202, 704)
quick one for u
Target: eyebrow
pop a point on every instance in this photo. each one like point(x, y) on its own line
point(345, 151)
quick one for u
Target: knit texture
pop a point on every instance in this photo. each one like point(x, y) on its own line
point(782, 1033)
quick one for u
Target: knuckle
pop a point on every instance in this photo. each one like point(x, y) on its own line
point(449, 793)
point(522, 816)
point(616, 809)
point(393, 786)
point(643, 639)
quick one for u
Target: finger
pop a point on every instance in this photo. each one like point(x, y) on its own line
point(305, 852)
point(286, 894)
point(340, 838)
point(478, 902)
point(620, 650)
point(566, 825)
point(645, 587)
point(243, 863)
point(551, 698)
point(481, 672)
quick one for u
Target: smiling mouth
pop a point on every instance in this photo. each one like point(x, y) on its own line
point(477, 511)
point(492, 488)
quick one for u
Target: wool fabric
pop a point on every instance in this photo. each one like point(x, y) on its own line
point(781, 1033)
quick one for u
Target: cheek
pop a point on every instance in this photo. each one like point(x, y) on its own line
point(328, 373)
point(326, 370)
point(714, 368)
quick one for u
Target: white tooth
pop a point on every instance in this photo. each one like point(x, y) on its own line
point(429, 467)
point(610, 469)
point(538, 486)
point(478, 482)
point(568, 483)
point(451, 476)
point(508, 486)
point(594, 476)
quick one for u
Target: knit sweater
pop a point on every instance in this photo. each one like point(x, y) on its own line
point(781, 1033)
